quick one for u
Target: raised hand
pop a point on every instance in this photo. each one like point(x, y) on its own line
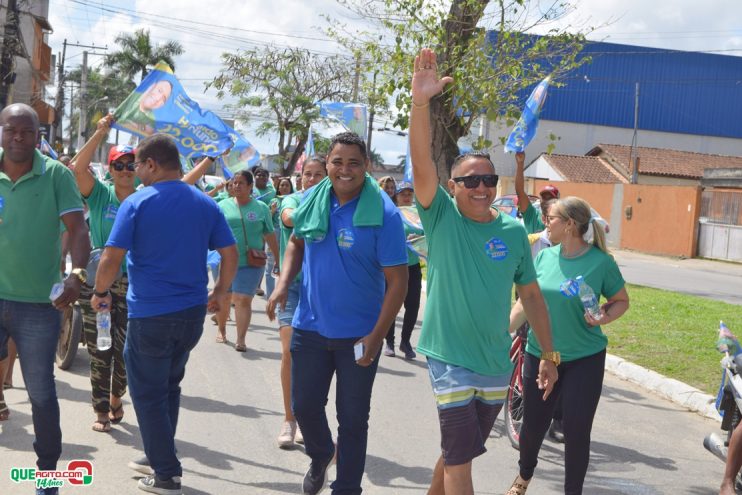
point(425, 81)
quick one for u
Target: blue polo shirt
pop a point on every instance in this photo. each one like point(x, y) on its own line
point(343, 280)
point(167, 229)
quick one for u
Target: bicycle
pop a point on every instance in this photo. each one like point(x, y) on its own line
point(514, 399)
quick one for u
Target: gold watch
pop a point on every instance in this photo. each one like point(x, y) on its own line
point(80, 273)
point(553, 356)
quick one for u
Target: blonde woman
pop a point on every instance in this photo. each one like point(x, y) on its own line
point(576, 334)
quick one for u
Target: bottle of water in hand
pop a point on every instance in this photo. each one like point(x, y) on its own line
point(588, 298)
point(103, 322)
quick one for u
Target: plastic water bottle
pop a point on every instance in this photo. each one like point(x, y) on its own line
point(587, 296)
point(57, 290)
point(103, 322)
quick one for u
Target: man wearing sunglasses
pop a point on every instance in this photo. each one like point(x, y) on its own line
point(475, 255)
point(107, 370)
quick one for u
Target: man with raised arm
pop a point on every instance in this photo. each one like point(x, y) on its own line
point(475, 255)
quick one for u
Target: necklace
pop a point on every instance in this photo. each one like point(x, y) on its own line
point(575, 255)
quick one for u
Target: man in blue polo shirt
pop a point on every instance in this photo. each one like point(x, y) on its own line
point(349, 240)
point(167, 229)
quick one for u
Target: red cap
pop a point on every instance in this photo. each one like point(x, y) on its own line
point(118, 151)
point(549, 191)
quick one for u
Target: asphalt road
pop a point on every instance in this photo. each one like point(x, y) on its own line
point(231, 413)
point(705, 278)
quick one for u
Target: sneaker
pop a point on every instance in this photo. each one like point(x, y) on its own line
point(153, 484)
point(556, 431)
point(286, 437)
point(316, 477)
point(406, 348)
point(298, 437)
point(141, 465)
point(389, 350)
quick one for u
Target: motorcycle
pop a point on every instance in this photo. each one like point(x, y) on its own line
point(729, 397)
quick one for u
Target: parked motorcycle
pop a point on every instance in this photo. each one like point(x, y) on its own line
point(729, 397)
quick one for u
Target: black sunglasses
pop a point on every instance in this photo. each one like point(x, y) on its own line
point(119, 166)
point(472, 181)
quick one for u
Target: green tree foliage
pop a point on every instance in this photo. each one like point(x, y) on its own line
point(280, 88)
point(137, 54)
point(488, 71)
point(105, 90)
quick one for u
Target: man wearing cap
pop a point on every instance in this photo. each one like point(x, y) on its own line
point(412, 230)
point(107, 369)
point(36, 192)
point(531, 216)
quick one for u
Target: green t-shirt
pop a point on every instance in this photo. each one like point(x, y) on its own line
point(571, 335)
point(471, 270)
point(532, 220)
point(412, 257)
point(265, 195)
point(257, 222)
point(103, 204)
point(30, 212)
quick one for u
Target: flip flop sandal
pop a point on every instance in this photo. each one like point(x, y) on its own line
point(220, 339)
point(517, 488)
point(105, 426)
point(240, 348)
point(112, 414)
point(4, 411)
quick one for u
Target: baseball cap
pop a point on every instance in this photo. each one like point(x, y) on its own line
point(404, 185)
point(549, 191)
point(118, 151)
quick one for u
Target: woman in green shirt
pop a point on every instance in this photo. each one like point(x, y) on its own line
point(251, 225)
point(576, 335)
point(107, 369)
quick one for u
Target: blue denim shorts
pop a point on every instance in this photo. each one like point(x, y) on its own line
point(285, 316)
point(247, 280)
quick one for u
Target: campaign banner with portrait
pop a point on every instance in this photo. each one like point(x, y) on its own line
point(525, 129)
point(160, 104)
point(352, 116)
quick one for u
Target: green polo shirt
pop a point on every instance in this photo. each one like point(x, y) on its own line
point(30, 210)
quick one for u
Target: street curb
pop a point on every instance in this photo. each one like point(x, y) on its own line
point(669, 388)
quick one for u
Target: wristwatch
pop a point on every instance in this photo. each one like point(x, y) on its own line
point(80, 273)
point(553, 356)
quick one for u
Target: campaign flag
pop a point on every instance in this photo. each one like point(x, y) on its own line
point(351, 115)
point(419, 246)
point(308, 152)
point(47, 149)
point(160, 104)
point(408, 164)
point(242, 156)
point(727, 342)
point(525, 129)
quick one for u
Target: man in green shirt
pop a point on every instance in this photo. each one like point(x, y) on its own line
point(474, 256)
point(532, 220)
point(35, 193)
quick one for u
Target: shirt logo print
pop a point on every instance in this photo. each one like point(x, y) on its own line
point(252, 216)
point(496, 249)
point(110, 212)
point(345, 238)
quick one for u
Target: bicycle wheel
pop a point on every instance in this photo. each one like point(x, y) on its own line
point(514, 405)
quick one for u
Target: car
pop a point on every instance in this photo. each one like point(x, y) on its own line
point(508, 204)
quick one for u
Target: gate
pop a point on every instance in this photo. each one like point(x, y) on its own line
point(720, 225)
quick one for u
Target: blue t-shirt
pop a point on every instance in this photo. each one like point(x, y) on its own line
point(167, 229)
point(343, 281)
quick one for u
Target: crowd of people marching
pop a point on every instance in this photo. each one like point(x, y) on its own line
point(339, 266)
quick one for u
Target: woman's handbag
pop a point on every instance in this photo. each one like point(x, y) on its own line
point(255, 257)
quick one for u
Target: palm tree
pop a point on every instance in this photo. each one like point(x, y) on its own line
point(137, 54)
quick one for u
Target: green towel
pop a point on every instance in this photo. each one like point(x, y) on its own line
point(312, 217)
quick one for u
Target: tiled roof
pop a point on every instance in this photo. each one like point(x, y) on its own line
point(664, 162)
point(575, 168)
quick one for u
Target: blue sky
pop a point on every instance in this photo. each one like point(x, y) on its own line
point(206, 29)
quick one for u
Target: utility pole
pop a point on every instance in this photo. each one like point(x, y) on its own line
point(59, 102)
point(9, 51)
point(371, 114)
point(633, 156)
point(357, 79)
point(83, 101)
point(72, 98)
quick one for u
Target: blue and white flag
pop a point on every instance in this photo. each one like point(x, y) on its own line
point(408, 164)
point(309, 148)
point(47, 149)
point(525, 129)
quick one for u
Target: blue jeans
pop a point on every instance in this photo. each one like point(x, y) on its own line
point(35, 329)
point(314, 361)
point(156, 353)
